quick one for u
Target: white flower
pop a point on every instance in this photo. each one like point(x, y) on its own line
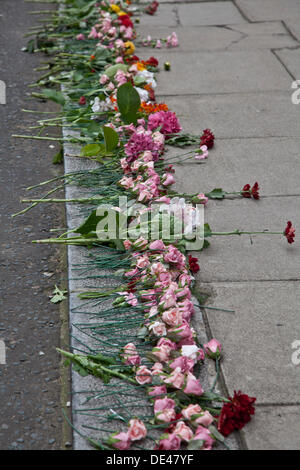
point(144, 95)
point(100, 105)
point(190, 351)
point(148, 77)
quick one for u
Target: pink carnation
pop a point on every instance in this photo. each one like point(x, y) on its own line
point(166, 120)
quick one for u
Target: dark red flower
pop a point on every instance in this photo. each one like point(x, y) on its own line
point(235, 414)
point(246, 191)
point(254, 191)
point(151, 9)
point(193, 264)
point(207, 138)
point(249, 192)
point(289, 232)
point(82, 101)
point(152, 61)
point(131, 286)
point(125, 21)
point(169, 169)
point(132, 59)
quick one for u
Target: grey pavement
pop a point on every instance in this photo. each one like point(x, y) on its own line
point(233, 72)
point(30, 382)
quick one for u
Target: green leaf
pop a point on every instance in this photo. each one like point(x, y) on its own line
point(196, 444)
point(111, 71)
point(90, 224)
point(59, 157)
point(216, 193)
point(90, 150)
point(58, 295)
point(207, 231)
point(81, 371)
point(142, 332)
point(30, 46)
point(111, 138)
point(53, 95)
point(215, 433)
point(129, 102)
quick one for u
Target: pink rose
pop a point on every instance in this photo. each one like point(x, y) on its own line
point(190, 411)
point(157, 390)
point(168, 300)
point(119, 441)
point(168, 179)
point(157, 368)
point(167, 342)
point(213, 349)
point(164, 409)
point(163, 404)
point(161, 353)
point(205, 419)
point(193, 386)
point(172, 317)
point(183, 431)
point(158, 328)
point(103, 79)
point(157, 245)
point(127, 244)
point(183, 362)
point(130, 355)
point(172, 442)
point(143, 375)
point(204, 435)
point(137, 430)
point(202, 199)
point(181, 332)
point(176, 378)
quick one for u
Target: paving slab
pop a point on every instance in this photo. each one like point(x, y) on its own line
point(268, 114)
point(264, 10)
point(203, 72)
point(291, 59)
point(294, 27)
point(257, 338)
point(265, 432)
point(210, 13)
point(256, 257)
point(235, 37)
point(235, 162)
point(165, 17)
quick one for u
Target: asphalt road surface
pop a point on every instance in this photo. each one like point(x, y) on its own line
point(30, 325)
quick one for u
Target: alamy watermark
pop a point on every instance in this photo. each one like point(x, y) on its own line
point(296, 94)
point(2, 352)
point(176, 221)
point(2, 92)
point(295, 358)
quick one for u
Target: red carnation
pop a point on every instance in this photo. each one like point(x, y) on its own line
point(193, 264)
point(82, 100)
point(289, 232)
point(152, 61)
point(249, 192)
point(125, 21)
point(132, 59)
point(236, 413)
point(254, 191)
point(207, 138)
point(151, 9)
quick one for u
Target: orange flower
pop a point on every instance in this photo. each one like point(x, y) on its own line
point(153, 108)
